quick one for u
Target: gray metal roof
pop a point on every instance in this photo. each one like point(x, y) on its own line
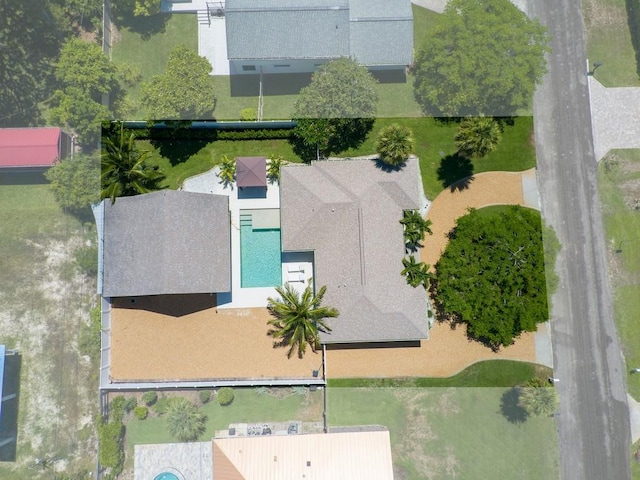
point(348, 213)
point(375, 32)
point(167, 242)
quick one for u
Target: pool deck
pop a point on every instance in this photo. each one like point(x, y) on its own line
point(184, 460)
point(239, 297)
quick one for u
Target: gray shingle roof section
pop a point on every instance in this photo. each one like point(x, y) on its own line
point(287, 30)
point(167, 242)
point(375, 32)
point(348, 213)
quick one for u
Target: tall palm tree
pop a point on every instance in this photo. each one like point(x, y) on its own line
point(477, 137)
point(273, 170)
point(417, 273)
point(227, 173)
point(415, 227)
point(298, 319)
point(538, 401)
point(394, 144)
point(184, 421)
point(125, 171)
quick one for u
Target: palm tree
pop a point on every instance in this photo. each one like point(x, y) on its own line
point(125, 171)
point(538, 401)
point(298, 319)
point(477, 137)
point(394, 144)
point(184, 421)
point(415, 228)
point(273, 170)
point(417, 273)
point(227, 173)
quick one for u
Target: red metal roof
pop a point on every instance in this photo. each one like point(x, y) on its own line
point(29, 147)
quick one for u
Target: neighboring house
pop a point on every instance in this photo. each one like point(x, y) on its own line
point(322, 456)
point(289, 36)
point(347, 213)
point(32, 148)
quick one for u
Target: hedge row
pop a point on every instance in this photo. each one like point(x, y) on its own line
point(111, 447)
point(208, 134)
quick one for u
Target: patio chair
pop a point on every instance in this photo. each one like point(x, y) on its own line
point(294, 268)
point(295, 277)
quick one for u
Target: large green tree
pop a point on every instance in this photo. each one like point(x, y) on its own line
point(491, 275)
point(538, 401)
point(184, 421)
point(298, 319)
point(336, 110)
point(394, 144)
point(478, 136)
point(125, 169)
point(184, 91)
point(483, 57)
point(75, 182)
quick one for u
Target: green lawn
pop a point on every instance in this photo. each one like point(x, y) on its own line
point(489, 373)
point(248, 406)
point(619, 186)
point(462, 433)
point(434, 146)
point(609, 40)
point(150, 54)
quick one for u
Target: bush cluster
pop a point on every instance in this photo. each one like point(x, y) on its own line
point(149, 398)
point(141, 412)
point(116, 409)
point(205, 396)
point(225, 396)
point(111, 447)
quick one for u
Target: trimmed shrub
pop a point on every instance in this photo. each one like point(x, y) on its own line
point(141, 412)
point(248, 115)
point(205, 396)
point(116, 409)
point(111, 447)
point(149, 398)
point(130, 404)
point(263, 134)
point(161, 406)
point(225, 396)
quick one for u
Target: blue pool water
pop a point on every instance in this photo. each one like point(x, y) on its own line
point(260, 262)
point(166, 476)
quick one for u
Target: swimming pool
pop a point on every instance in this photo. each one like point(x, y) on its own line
point(166, 476)
point(260, 255)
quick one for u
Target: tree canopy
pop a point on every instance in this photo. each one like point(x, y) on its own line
point(491, 275)
point(75, 182)
point(184, 91)
point(483, 57)
point(478, 136)
point(336, 110)
point(394, 144)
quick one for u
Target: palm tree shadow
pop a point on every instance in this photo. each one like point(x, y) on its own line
point(386, 167)
point(455, 171)
point(509, 407)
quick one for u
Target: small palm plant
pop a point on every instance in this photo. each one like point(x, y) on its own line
point(227, 173)
point(125, 170)
point(298, 319)
point(538, 401)
point(394, 144)
point(273, 171)
point(184, 421)
point(477, 137)
point(415, 227)
point(417, 273)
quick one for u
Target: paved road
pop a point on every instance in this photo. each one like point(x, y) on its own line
point(594, 418)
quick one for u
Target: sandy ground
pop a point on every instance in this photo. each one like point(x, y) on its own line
point(184, 338)
point(156, 341)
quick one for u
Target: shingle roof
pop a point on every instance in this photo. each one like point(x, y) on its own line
point(167, 242)
point(376, 32)
point(353, 228)
point(29, 147)
point(285, 30)
point(251, 171)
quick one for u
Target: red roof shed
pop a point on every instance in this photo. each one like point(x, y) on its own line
point(251, 171)
point(32, 147)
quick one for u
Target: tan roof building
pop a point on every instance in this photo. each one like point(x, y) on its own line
point(362, 455)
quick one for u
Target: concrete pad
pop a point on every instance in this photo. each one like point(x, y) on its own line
point(212, 44)
point(634, 414)
point(544, 351)
point(184, 460)
point(530, 189)
point(615, 117)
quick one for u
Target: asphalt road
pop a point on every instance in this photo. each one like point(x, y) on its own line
point(593, 423)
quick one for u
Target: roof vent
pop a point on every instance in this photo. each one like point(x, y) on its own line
point(308, 463)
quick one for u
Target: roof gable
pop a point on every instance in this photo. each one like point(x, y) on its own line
point(29, 147)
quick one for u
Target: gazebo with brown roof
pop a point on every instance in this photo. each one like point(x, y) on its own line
point(251, 172)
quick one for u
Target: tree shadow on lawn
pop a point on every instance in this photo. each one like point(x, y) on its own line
point(178, 150)
point(455, 172)
point(509, 407)
point(147, 27)
point(633, 20)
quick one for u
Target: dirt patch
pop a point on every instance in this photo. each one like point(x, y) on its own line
point(631, 189)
